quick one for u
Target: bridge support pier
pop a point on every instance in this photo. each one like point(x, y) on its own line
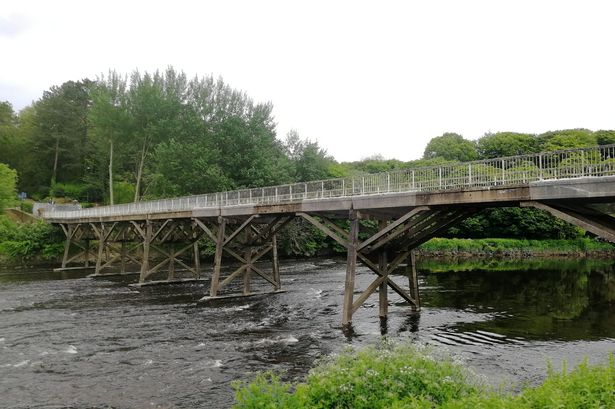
point(113, 239)
point(78, 237)
point(169, 240)
point(397, 237)
point(257, 237)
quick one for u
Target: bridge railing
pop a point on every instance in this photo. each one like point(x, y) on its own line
point(508, 171)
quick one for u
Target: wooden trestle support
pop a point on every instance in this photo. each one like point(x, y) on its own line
point(255, 237)
point(156, 244)
point(384, 252)
point(160, 245)
point(80, 237)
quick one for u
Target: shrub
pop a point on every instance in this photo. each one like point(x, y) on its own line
point(23, 241)
point(406, 376)
point(75, 191)
point(371, 378)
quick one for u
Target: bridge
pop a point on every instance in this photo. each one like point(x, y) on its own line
point(395, 211)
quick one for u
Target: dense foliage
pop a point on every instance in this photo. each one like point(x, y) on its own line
point(123, 138)
point(22, 241)
point(409, 376)
point(8, 179)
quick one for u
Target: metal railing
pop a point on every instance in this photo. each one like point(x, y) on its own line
point(508, 171)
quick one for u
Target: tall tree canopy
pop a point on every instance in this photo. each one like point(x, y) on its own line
point(309, 161)
point(60, 141)
point(494, 145)
point(566, 139)
point(451, 146)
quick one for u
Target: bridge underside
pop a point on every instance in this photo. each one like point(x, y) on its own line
point(168, 249)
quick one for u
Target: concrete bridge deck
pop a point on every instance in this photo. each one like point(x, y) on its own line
point(409, 207)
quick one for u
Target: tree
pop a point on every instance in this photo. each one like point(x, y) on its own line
point(604, 137)
point(61, 135)
point(187, 168)
point(155, 108)
point(495, 145)
point(514, 222)
point(567, 139)
point(451, 146)
point(8, 181)
point(9, 139)
point(309, 160)
point(250, 154)
point(110, 126)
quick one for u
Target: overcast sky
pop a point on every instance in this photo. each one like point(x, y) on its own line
point(361, 78)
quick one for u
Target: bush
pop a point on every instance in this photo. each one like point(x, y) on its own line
point(372, 378)
point(26, 206)
point(23, 241)
point(75, 191)
point(410, 377)
point(123, 192)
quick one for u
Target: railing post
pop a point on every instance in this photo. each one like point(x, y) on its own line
point(290, 192)
point(440, 176)
point(503, 178)
point(276, 194)
point(388, 182)
point(362, 185)
point(305, 189)
point(343, 187)
point(470, 174)
point(413, 186)
point(352, 192)
point(322, 189)
point(540, 166)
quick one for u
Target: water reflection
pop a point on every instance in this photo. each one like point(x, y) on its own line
point(534, 299)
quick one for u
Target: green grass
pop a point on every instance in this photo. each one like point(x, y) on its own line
point(580, 245)
point(412, 377)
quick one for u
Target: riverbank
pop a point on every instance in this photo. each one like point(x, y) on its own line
point(411, 376)
point(516, 248)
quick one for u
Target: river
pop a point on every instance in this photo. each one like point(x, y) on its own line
point(71, 341)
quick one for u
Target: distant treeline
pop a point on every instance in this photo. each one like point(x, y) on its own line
point(122, 138)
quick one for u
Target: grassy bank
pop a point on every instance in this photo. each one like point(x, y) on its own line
point(407, 376)
point(515, 247)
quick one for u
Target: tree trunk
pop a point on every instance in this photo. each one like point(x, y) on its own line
point(140, 172)
point(111, 171)
point(55, 161)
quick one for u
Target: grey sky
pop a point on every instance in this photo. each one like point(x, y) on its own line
point(362, 78)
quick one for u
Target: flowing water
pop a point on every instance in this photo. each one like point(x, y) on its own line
point(71, 341)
